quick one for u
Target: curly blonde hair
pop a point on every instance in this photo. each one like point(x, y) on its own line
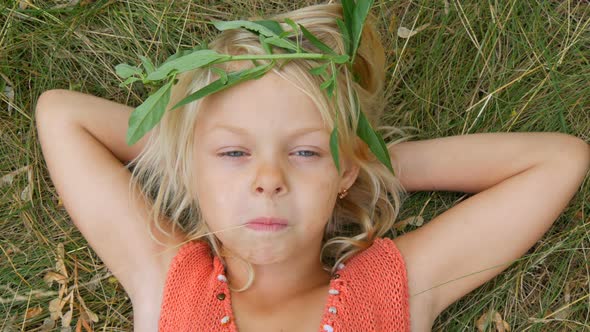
point(163, 169)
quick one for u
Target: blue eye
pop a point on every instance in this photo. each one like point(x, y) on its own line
point(313, 153)
point(227, 154)
point(231, 155)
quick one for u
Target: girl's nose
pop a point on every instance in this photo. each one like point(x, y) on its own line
point(270, 181)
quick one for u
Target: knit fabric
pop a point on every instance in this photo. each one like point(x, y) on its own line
point(370, 294)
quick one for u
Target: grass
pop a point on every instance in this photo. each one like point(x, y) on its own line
point(509, 66)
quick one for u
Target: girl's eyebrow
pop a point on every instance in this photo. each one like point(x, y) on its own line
point(244, 132)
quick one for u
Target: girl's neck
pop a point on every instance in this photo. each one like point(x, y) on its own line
point(277, 282)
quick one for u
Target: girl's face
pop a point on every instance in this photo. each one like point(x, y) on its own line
point(261, 150)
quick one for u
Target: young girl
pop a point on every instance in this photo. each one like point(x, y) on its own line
point(190, 244)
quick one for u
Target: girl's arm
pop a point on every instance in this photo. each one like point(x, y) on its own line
point(523, 183)
point(83, 143)
point(102, 118)
point(475, 162)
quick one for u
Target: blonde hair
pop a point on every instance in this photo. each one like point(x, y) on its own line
point(163, 168)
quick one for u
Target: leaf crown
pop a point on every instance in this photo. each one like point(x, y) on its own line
point(150, 112)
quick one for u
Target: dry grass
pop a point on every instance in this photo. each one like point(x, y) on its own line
point(475, 67)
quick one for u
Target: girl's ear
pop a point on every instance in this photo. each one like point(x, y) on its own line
point(350, 172)
point(351, 169)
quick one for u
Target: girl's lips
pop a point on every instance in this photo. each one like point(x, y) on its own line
point(266, 227)
point(268, 221)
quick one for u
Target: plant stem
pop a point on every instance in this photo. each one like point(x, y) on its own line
point(280, 56)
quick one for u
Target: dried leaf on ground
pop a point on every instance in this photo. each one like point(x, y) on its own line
point(60, 265)
point(392, 23)
point(87, 326)
point(26, 194)
point(52, 276)
point(492, 317)
point(32, 312)
point(96, 279)
point(9, 93)
point(23, 4)
point(91, 315)
point(8, 178)
point(85, 313)
point(67, 318)
point(412, 220)
point(55, 307)
point(565, 311)
point(48, 325)
point(71, 3)
point(405, 33)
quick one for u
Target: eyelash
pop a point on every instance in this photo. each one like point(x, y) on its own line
point(226, 154)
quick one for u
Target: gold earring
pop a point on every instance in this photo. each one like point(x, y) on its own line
point(343, 193)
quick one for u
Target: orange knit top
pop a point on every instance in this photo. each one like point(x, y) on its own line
point(369, 292)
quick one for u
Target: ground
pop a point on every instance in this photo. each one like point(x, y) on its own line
point(453, 68)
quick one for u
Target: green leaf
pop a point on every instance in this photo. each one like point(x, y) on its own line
point(315, 41)
point(187, 62)
point(342, 58)
point(147, 64)
point(361, 10)
point(286, 34)
point(178, 54)
point(292, 24)
point(386, 159)
point(345, 35)
point(129, 81)
point(329, 87)
point(346, 28)
point(327, 84)
point(267, 28)
point(334, 145)
point(266, 46)
point(348, 10)
point(271, 25)
point(233, 78)
point(148, 114)
point(181, 53)
point(221, 73)
point(373, 140)
point(295, 30)
point(283, 43)
point(249, 25)
point(124, 70)
point(319, 70)
point(334, 74)
point(330, 90)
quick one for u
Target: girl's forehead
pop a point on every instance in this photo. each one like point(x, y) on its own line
point(270, 101)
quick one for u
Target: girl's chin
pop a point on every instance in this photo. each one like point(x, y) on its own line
point(265, 251)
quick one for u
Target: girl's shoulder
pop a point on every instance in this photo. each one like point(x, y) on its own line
point(383, 254)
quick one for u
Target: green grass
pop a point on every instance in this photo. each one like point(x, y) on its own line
point(509, 66)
